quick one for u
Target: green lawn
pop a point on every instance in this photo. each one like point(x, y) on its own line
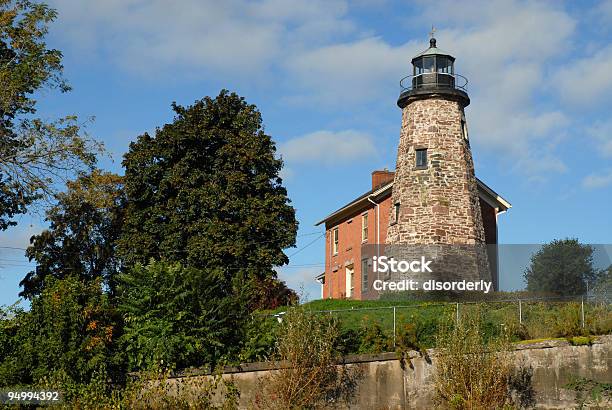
point(537, 319)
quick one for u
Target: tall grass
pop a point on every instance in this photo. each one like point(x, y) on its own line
point(473, 371)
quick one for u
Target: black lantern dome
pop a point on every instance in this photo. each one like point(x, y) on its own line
point(433, 74)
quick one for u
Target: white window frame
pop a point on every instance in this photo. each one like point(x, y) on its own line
point(364, 227)
point(335, 240)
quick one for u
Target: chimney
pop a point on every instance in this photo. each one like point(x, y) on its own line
point(380, 178)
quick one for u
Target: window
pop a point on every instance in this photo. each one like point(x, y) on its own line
point(444, 65)
point(428, 64)
point(396, 209)
point(364, 276)
point(421, 158)
point(418, 67)
point(335, 241)
point(364, 227)
point(464, 130)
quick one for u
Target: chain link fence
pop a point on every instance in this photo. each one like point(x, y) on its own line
point(523, 318)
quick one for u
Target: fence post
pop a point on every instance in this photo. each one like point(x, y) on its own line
point(520, 312)
point(393, 326)
point(582, 311)
point(457, 313)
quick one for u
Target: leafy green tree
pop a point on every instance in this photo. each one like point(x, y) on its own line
point(206, 191)
point(70, 329)
point(34, 154)
point(177, 317)
point(561, 267)
point(83, 229)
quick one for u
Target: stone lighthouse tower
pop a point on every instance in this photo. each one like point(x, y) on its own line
point(435, 204)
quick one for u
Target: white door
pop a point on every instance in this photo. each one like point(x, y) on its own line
point(349, 281)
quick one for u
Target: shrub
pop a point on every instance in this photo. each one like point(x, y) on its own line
point(177, 317)
point(599, 318)
point(309, 375)
point(259, 339)
point(348, 342)
point(71, 328)
point(591, 393)
point(567, 321)
point(472, 371)
point(373, 339)
point(416, 333)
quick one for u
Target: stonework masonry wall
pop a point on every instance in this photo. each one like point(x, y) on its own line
point(438, 204)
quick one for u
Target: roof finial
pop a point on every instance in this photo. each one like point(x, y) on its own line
point(432, 40)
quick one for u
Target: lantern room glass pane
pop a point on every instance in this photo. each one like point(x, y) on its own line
point(428, 64)
point(418, 66)
point(444, 65)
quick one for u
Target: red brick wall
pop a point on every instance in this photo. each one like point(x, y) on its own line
point(349, 254)
point(380, 178)
point(489, 221)
point(349, 250)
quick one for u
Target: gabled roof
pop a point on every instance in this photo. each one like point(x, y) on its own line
point(484, 192)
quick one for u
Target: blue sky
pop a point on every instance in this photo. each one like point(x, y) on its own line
point(325, 76)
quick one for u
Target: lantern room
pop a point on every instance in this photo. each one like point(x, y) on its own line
point(433, 72)
point(433, 67)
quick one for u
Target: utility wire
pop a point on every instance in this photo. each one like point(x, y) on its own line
point(307, 245)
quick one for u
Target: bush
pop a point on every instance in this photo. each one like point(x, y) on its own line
point(70, 329)
point(472, 371)
point(373, 339)
point(568, 322)
point(348, 342)
point(416, 333)
point(259, 338)
point(177, 317)
point(308, 375)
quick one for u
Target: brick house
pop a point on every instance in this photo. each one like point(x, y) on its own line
point(365, 220)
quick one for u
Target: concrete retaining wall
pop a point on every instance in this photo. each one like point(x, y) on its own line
point(386, 384)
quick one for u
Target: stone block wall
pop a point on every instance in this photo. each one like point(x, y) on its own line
point(438, 204)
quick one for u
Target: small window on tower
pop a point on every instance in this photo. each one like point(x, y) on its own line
point(464, 129)
point(396, 209)
point(421, 158)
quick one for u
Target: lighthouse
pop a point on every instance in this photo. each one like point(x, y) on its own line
point(435, 201)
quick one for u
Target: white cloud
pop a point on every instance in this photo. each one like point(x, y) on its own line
point(238, 37)
point(302, 280)
point(586, 81)
point(602, 133)
point(604, 11)
point(351, 72)
point(594, 181)
point(328, 147)
point(504, 48)
point(313, 49)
